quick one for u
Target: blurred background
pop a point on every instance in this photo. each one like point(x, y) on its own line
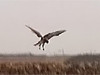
point(79, 17)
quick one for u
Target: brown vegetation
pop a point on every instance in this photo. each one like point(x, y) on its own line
point(52, 68)
point(34, 65)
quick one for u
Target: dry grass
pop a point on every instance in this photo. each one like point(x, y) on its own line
point(42, 65)
point(52, 68)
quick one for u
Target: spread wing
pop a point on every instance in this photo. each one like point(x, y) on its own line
point(36, 32)
point(56, 33)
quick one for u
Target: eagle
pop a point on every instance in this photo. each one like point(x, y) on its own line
point(45, 38)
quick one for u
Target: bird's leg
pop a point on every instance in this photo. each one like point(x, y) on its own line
point(43, 46)
point(39, 46)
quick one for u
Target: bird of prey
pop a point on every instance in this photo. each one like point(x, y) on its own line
point(45, 38)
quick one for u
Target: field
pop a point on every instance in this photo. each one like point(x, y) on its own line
point(52, 65)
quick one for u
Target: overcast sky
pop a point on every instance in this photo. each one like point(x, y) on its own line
point(80, 17)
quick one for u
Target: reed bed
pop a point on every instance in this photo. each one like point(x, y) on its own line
point(49, 68)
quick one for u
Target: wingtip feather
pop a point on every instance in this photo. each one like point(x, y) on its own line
point(26, 25)
point(64, 30)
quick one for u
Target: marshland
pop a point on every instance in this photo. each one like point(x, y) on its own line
point(45, 65)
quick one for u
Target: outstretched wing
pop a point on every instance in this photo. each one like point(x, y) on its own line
point(56, 33)
point(36, 32)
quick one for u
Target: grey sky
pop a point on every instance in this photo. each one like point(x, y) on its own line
point(80, 17)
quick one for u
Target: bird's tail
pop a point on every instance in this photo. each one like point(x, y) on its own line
point(37, 43)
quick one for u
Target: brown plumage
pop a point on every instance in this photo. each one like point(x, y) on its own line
point(45, 38)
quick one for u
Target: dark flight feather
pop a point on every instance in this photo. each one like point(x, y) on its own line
point(36, 32)
point(56, 33)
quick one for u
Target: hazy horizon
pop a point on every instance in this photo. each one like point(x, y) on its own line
point(79, 17)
